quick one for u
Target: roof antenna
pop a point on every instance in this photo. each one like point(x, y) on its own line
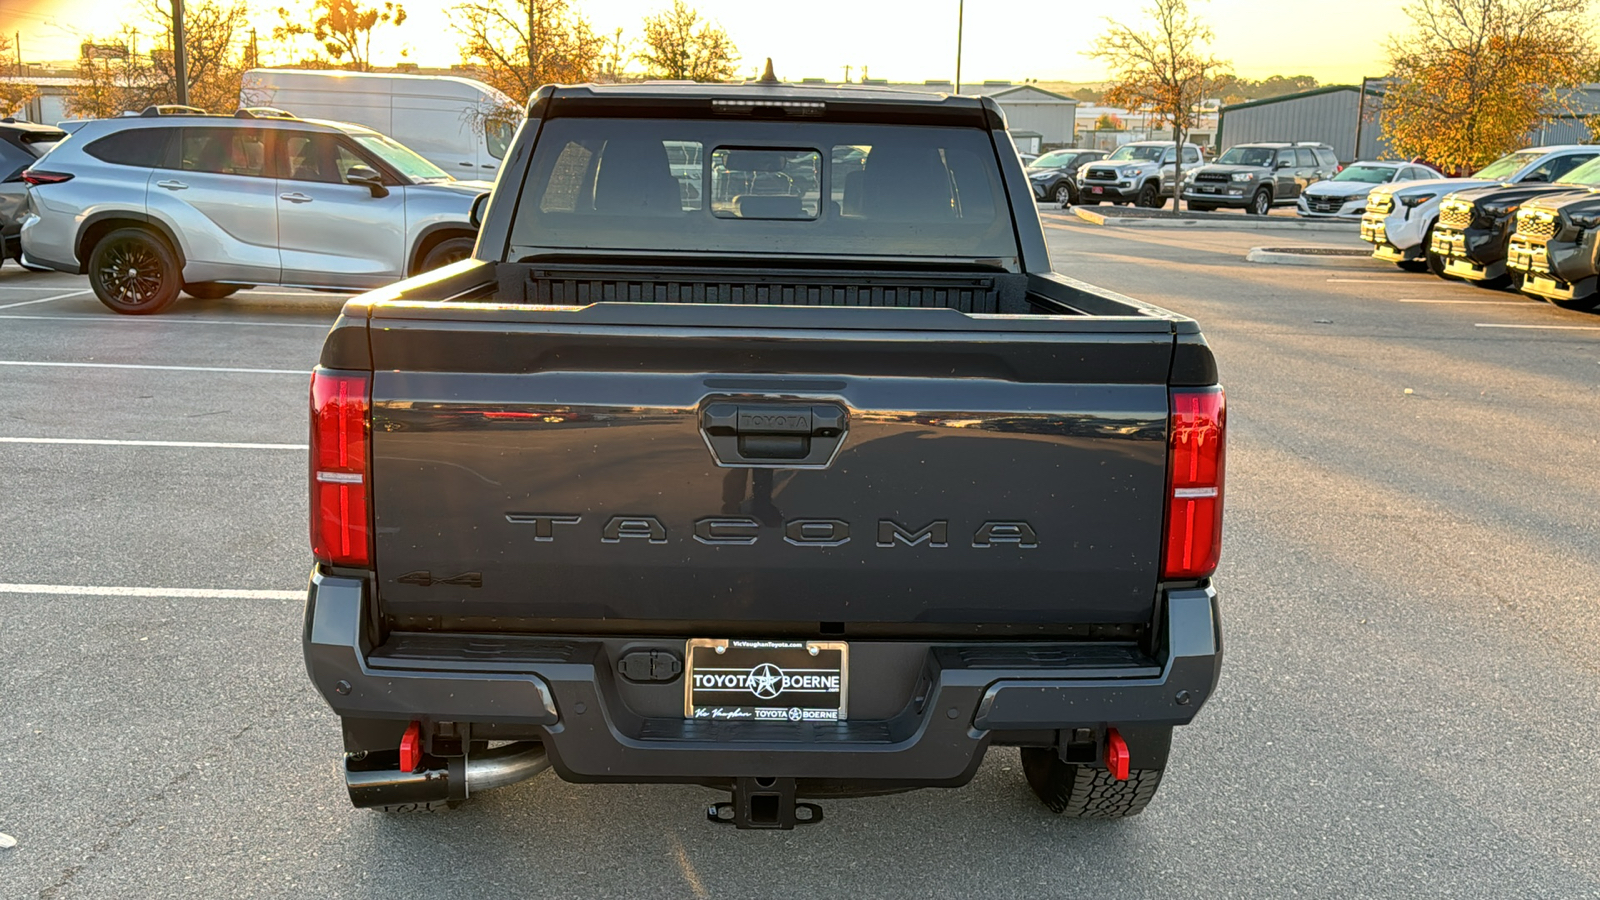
point(768, 77)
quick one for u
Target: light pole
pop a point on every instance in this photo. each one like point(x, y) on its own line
point(180, 54)
point(961, 10)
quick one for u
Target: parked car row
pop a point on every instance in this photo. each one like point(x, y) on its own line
point(152, 205)
point(1527, 221)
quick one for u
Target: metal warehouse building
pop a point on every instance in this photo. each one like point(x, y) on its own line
point(1330, 114)
point(1339, 116)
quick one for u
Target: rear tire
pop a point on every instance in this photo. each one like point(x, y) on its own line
point(134, 272)
point(210, 290)
point(1087, 792)
point(446, 252)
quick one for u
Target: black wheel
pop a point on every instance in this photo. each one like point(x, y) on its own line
point(210, 290)
point(1413, 265)
point(1260, 203)
point(1087, 792)
point(134, 272)
point(1063, 193)
point(1149, 196)
point(448, 251)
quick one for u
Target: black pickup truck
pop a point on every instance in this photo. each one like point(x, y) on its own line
point(726, 463)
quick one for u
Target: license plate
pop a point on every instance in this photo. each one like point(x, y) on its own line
point(789, 681)
point(1097, 190)
point(1207, 190)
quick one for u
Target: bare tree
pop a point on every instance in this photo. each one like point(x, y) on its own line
point(1473, 78)
point(1163, 70)
point(114, 78)
point(341, 28)
point(675, 48)
point(518, 45)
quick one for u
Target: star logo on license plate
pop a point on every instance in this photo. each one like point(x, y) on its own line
point(766, 681)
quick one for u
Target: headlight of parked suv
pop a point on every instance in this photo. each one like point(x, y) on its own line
point(1416, 200)
point(1585, 220)
point(1496, 212)
point(1244, 176)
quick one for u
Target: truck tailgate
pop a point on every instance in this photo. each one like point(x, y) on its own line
point(630, 462)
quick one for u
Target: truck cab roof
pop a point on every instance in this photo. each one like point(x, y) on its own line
point(837, 103)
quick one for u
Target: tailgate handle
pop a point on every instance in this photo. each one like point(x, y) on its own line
point(758, 434)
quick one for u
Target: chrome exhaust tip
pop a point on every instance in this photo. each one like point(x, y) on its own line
point(375, 780)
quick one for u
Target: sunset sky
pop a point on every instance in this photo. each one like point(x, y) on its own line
point(901, 41)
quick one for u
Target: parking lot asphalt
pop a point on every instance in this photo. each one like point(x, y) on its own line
point(1408, 705)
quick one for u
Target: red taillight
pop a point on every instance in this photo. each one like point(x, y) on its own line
point(35, 177)
point(339, 414)
point(1194, 483)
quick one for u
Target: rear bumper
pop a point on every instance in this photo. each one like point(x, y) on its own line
point(573, 700)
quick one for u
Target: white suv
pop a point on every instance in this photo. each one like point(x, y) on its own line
point(148, 206)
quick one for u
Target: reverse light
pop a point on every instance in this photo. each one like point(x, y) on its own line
point(340, 409)
point(1194, 483)
point(36, 177)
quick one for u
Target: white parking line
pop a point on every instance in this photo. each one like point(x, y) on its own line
point(120, 321)
point(77, 365)
point(1551, 327)
point(88, 590)
point(45, 299)
point(96, 442)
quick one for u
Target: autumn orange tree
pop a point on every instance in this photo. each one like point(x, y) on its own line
point(1163, 70)
point(12, 94)
point(340, 28)
point(1473, 78)
point(679, 45)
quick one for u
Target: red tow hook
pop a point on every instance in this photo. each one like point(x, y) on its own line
point(411, 749)
point(1116, 754)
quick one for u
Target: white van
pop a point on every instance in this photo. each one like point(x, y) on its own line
point(441, 117)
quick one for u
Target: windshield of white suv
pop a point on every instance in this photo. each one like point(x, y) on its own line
point(1055, 159)
point(403, 158)
point(1507, 166)
point(1366, 174)
point(1587, 175)
point(1148, 153)
point(1246, 156)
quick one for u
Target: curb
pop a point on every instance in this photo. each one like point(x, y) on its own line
point(1287, 257)
point(1239, 223)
